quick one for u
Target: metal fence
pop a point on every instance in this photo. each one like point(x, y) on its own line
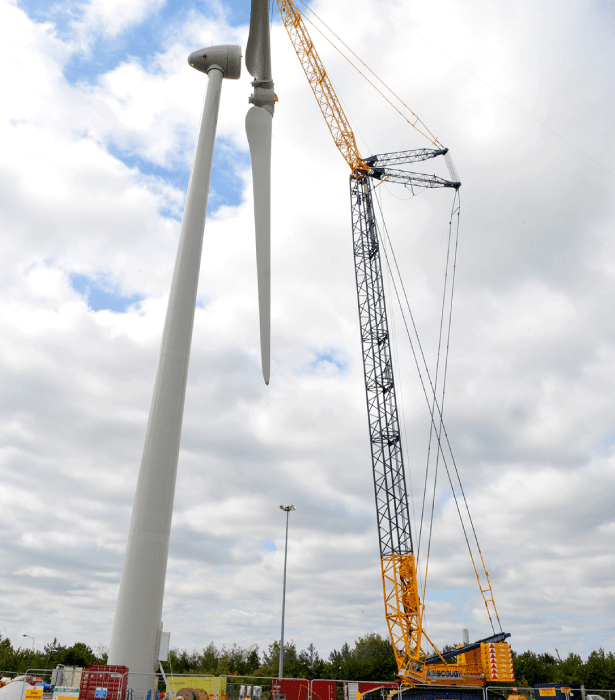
point(29, 691)
point(578, 693)
point(152, 686)
point(242, 688)
point(254, 687)
point(494, 691)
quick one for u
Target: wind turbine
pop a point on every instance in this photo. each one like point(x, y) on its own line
point(137, 625)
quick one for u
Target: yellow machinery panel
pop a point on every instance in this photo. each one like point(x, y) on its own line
point(213, 686)
point(497, 661)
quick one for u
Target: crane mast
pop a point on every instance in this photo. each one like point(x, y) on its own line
point(401, 597)
point(403, 607)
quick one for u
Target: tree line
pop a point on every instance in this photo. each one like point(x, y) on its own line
point(370, 658)
point(597, 672)
point(15, 659)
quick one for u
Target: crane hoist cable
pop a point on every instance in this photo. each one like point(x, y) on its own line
point(435, 412)
point(437, 430)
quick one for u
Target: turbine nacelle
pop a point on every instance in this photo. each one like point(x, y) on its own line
point(225, 58)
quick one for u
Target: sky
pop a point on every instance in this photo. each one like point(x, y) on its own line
point(98, 124)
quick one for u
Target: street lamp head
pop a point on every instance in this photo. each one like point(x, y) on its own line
point(287, 508)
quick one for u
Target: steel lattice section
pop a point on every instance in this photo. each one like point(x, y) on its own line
point(403, 613)
point(399, 157)
point(411, 180)
point(321, 85)
point(387, 459)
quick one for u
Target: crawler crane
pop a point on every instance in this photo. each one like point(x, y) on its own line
point(472, 664)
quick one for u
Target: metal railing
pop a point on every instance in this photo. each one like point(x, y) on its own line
point(527, 693)
point(144, 686)
point(326, 688)
point(28, 691)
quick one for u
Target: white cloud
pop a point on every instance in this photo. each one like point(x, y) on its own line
point(107, 19)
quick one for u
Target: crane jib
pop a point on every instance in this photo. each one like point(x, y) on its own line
point(379, 168)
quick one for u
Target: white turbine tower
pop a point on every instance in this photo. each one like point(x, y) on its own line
point(137, 625)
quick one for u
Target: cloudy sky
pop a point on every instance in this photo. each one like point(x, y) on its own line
point(98, 124)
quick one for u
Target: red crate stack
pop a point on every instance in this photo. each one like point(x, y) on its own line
point(101, 678)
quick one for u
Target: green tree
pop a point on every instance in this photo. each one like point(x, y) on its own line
point(223, 662)
point(531, 668)
point(51, 651)
point(310, 665)
point(210, 658)
point(571, 670)
point(303, 664)
point(371, 659)
point(600, 670)
point(239, 662)
point(7, 655)
point(180, 661)
point(79, 654)
point(16, 660)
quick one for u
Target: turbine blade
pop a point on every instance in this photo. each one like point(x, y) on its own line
point(258, 50)
point(258, 129)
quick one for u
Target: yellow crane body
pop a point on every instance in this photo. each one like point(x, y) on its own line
point(474, 663)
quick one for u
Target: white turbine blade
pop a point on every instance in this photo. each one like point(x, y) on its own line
point(258, 50)
point(258, 129)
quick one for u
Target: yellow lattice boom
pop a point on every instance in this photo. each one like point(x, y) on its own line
point(403, 612)
point(321, 85)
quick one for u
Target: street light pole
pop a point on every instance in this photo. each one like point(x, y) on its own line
point(31, 649)
point(281, 669)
